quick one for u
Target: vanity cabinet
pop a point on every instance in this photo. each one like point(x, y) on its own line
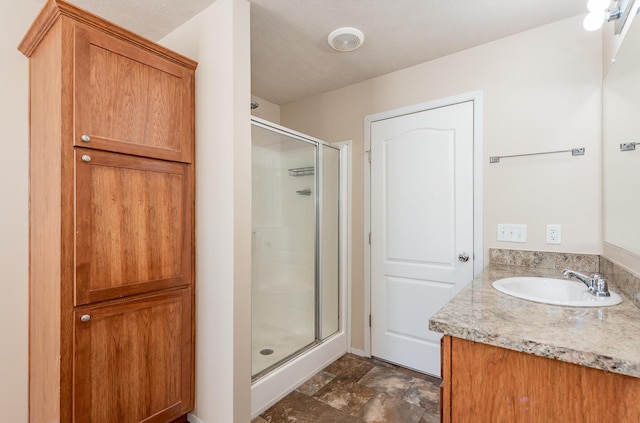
point(111, 327)
point(487, 383)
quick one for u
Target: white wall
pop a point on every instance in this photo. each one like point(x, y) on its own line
point(15, 18)
point(541, 92)
point(218, 38)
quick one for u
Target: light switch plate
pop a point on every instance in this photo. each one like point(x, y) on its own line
point(510, 232)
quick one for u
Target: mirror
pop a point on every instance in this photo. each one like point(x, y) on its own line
point(621, 124)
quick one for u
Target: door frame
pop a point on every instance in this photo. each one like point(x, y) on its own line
point(478, 251)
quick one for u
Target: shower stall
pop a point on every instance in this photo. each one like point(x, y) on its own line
point(296, 230)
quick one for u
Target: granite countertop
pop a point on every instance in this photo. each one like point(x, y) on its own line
point(606, 338)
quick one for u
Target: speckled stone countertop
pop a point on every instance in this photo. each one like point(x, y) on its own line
point(606, 338)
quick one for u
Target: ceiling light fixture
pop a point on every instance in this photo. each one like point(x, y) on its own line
point(601, 11)
point(346, 39)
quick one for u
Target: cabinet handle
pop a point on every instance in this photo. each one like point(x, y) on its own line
point(86, 158)
point(85, 138)
point(85, 318)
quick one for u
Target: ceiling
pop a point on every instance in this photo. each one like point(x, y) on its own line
point(290, 56)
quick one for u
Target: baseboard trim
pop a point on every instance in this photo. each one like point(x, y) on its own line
point(357, 352)
point(191, 418)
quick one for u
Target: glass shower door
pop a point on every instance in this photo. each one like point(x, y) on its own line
point(329, 230)
point(283, 247)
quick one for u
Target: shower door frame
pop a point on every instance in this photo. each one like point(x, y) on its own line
point(342, 324)
point(274, 386)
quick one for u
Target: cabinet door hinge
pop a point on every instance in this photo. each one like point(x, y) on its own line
point(369, 155)
point(369, 320)
point(369, 238)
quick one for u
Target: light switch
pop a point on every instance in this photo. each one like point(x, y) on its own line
point(510, 232)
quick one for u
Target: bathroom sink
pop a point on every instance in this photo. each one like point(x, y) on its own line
point(552, 291)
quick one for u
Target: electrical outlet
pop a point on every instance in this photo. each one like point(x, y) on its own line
point(512, 233)
point(553, 234)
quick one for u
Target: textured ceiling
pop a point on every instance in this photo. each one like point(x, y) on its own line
point(291, 59)
point(152, 19)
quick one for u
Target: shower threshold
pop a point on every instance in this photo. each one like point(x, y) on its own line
point(286, 359)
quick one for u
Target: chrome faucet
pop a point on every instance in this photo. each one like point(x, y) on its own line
point(596, 284)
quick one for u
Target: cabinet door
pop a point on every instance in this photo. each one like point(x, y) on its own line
point(132, 361)
point(129, 100)
point(133, 225)
point(485, 383)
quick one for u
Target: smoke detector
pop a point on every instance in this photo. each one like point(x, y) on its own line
point(346, 39)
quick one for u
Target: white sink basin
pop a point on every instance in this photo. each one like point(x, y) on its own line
point(554, 291)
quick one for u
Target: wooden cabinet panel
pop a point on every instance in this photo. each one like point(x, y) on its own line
point(111, 223)
point(133, 225)
point(492, 384)
point(133, 361)
point(129, 100)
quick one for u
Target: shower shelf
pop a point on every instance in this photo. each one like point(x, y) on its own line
point(302, 171)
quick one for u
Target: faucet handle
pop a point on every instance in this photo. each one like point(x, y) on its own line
point(601, 288)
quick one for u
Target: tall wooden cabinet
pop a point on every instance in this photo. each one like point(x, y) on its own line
point(111, 223)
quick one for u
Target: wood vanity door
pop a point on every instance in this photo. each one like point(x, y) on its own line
point(129, 100)
point(132, 360)
point(485, 383)
point(133, 225)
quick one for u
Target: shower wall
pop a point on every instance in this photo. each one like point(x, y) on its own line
point(283, 236)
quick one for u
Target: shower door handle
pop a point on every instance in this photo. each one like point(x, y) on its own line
point(463, 257)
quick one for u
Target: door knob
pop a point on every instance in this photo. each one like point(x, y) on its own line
point(463, 257)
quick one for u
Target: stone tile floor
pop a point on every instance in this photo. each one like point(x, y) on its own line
point(355, 390)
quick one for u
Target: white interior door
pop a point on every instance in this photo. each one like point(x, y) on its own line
point(421, 228)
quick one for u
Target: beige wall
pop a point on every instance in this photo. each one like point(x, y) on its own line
point(218, 38)
point(266, 110)
point(15, 18)
point(223, 153)
point(611, 42)
point(611, 49)
point(541, 92)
